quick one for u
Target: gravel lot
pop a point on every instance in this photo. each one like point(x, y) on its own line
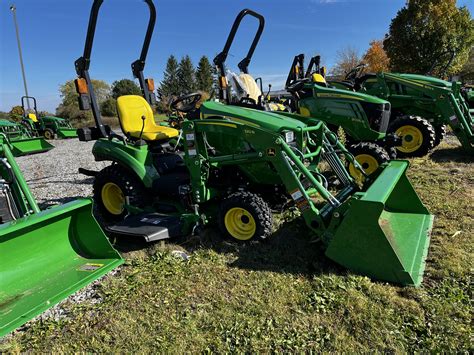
point(53, 176)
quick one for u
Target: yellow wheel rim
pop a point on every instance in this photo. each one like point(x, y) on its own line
point(368, 163)
point(412, 139)
point(240, 223)
point(48, 135)
point(113, 198)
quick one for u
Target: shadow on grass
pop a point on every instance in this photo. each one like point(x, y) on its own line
point(457, 154)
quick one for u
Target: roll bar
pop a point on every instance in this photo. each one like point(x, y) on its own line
point(315, 63)
point(27, 98)
point(296, 71)
point(87, 98)
point(220, 59)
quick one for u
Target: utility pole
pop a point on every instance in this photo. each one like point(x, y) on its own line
point(13, 10)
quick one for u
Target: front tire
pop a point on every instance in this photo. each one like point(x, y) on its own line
point(418, 135)
point(245, 216)
point(369, 155)
point(112, 186)
point(48, 134)
point(440, 132)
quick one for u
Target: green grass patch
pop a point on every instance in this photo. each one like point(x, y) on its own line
point(283, 294)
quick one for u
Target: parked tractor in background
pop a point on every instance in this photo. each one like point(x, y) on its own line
point(49, 127)
point(20, 140)
point(422, 107)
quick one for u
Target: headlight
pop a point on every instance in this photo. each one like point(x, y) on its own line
point(289, 137)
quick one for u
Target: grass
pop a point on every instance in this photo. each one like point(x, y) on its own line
point(281, 295)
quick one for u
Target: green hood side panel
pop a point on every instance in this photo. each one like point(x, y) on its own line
point(267, 120)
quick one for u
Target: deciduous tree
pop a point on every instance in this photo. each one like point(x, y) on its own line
point(424, 31)
point(376, 58)
point(125, 87)
point(347, 58)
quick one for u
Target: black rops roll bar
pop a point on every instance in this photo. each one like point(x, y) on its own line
point(23, 98)
point(296, 71)
point(314, 66)
point(220, 59)
point(89, 101)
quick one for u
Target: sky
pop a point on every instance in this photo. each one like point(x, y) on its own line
point(53, 33)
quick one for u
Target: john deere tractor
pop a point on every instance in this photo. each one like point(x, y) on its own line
point(227, 164)
point(364, 118)
point(21, 140)
point(422, 107)
point(49, 127)
point(45, 255)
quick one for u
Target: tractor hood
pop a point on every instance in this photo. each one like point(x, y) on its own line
point(267, 120)
point(426, 79)
point(53, 118)
point(333, 93)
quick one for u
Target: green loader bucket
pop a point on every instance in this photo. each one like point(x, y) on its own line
point(30, 146)
point(65, 133)
point(385, 234)
point(48, 256)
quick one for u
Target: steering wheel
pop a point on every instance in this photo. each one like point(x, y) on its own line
point(297, 85)
point(186, 103)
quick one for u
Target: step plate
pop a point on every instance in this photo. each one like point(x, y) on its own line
point(151, 226)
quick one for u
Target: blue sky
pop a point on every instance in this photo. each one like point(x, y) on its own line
point(53, 35)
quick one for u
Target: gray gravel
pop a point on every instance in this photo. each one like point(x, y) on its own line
point(53, 176)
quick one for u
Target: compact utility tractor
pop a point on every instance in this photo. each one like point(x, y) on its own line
point(21, 140)
point(364, 118)
point(49, 127)
point(227, 165)
point(45, 255)
point(422, 107)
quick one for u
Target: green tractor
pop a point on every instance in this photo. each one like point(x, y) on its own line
point(422, 107)
point(48, 127)
point(364, 118)
point(20, 139)
point(229, 163)
point(46, 255)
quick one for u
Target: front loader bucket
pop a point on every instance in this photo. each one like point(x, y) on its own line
point(386, 231)
point(48, 256)
point(65, 133)
point(30, 146)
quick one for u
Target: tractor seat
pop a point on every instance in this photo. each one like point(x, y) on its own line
point(251, 87)
point(131, 109)
point(33, 117)
point(319, 79)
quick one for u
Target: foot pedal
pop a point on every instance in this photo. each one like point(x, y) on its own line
point(151, 226)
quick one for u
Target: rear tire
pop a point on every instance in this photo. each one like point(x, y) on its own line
point(417, 133)
point(440, 132)
point(245, 216)
point(369, 155)
point(112, 186)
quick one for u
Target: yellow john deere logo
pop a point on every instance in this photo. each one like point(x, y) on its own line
point(271, 152)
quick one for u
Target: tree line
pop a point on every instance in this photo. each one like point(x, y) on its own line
point(425, 37)
point(423, 33)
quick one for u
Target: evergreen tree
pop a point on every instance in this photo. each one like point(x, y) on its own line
point(170, 84)
point(204, 76)
point(186, 76)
